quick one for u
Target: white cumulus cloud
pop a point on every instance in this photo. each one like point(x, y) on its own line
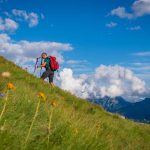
point(24, 51)
point(8, 24)
point(106, 81)
point(68, 82)
point(30, 17)
point(139, 8)
point(121, 12)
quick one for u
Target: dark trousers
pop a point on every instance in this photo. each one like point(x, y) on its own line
point(48, 73)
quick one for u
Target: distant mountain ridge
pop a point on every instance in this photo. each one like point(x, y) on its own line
point(138, 111)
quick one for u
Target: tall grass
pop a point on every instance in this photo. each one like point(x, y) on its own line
point(74, 124)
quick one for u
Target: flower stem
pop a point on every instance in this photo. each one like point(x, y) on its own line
point(49, 124)
point(4, 107)
point(35, 115)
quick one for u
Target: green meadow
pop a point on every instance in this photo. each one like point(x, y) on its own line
point(63, 121)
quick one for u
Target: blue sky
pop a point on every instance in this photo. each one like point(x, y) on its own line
point(97, 30)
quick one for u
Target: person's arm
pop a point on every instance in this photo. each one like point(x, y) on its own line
point(43, 65)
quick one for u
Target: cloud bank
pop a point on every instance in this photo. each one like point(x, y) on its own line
point(24, 52)
point(106, 81)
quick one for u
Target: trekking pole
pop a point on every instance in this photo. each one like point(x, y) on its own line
point(41, 67)
point(35, 67)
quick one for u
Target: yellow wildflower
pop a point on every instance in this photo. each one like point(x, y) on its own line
point(53, 103)
point(42, 96)
point(10, 86)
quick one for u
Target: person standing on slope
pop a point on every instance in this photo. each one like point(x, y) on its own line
point(49, 72)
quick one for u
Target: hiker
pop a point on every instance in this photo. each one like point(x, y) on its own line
point(49, 72)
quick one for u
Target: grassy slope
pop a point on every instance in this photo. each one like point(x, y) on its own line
point(76, 124)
